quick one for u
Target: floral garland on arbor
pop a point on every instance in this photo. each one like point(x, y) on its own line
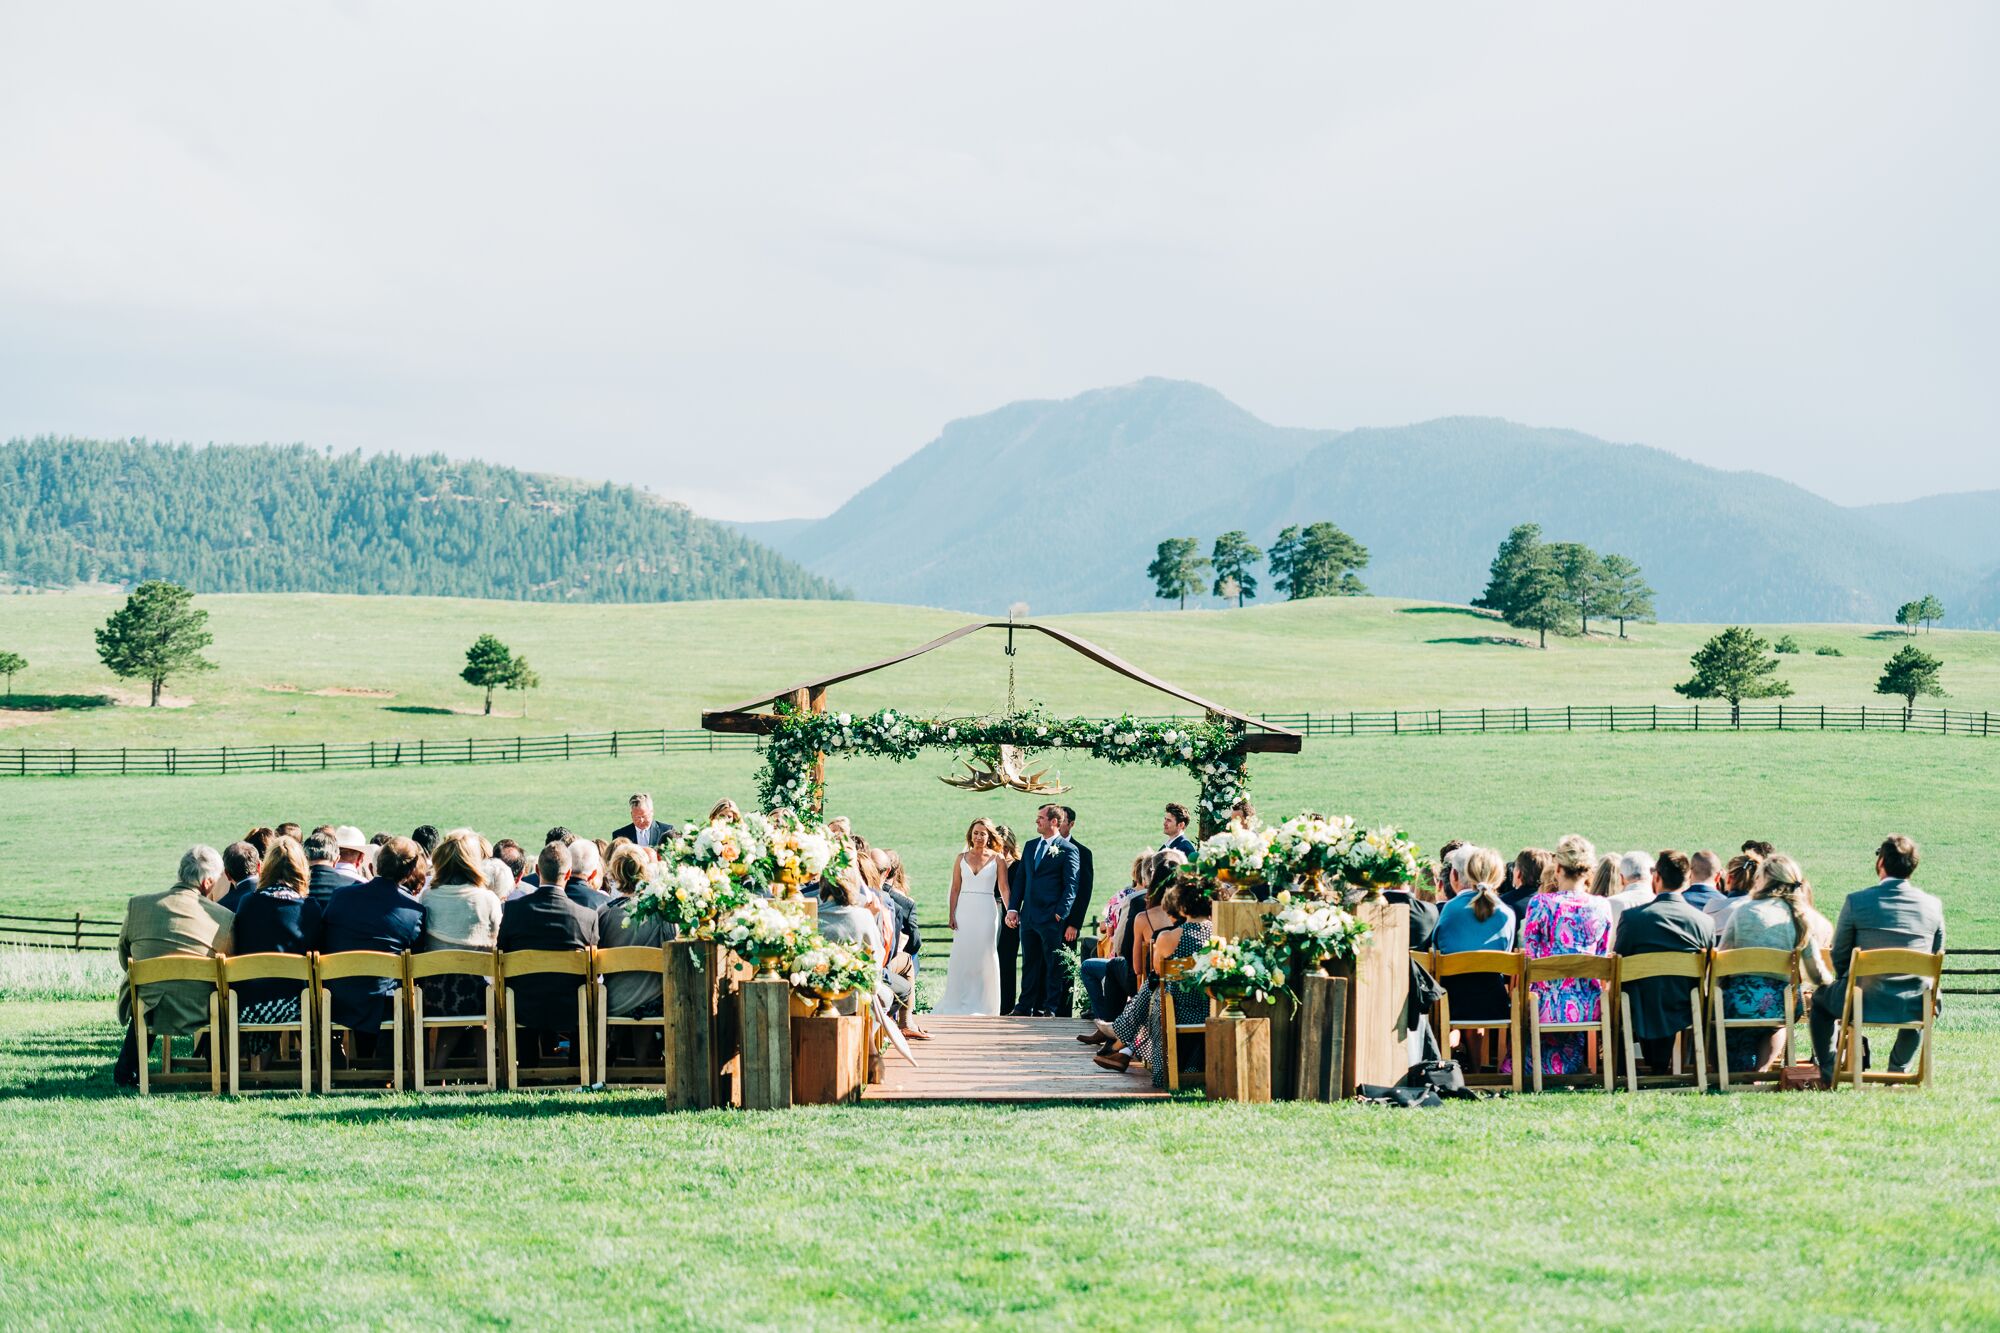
point(1210, 751)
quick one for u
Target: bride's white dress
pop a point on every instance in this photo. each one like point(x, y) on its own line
point(972, 978)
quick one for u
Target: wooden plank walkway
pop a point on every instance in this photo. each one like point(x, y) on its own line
point(1004, 1060)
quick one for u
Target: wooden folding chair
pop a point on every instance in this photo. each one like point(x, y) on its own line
point(269, 967)
point(1928, 967)
point(357, 964)
point(1171, 1028)
point(1481, 962)
point(425, 1029)
point(548, 962)
point(1693, 968)
point(1726, 963)
point(177, 967)
point(1582, 967)
point(606, 963)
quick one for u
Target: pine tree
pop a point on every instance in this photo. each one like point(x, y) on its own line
point(1733, 666)
point(9, 664)
point(1911, 672)
point(1627, 595)
point(1177, 568)
point(1907, 615)
point(491, 665)
point(1585, 581)
point(156, 634)
point(1318, 560)
point(1232, 558)
point(1526, 585)
point(523, 679)
point(1929, 610)
point(1519, 550)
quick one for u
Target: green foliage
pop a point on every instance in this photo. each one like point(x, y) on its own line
point(1525, 584)
point(1627, 594)
point(9, 664)
point(1733, 666)
point(1586, 581)
point(156, 634)
point(1318, 560)
point(1787, 643)
point(1177, 568)
point(293, 519)
point(1234, 559)
point(1929, 611)
point(1911, 672)
point(491, 664)
point(1828, 650)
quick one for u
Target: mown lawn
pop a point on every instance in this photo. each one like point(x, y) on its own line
point(1661, 1210)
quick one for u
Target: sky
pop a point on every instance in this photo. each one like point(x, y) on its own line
point(753, 255)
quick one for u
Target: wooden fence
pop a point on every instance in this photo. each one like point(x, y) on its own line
point(1637, 717)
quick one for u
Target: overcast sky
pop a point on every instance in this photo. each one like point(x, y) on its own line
point(752, 256)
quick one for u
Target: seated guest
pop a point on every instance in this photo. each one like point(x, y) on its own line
point(548, 918)
point(1778, 915)
point(292, 831)
point(1242, 814)
point(643, 830)
point(183, 919)
point(426, 837)
point(1173, 825)
point(586, 872)
point(1759, 848)
point(383, 915)
point(1475, 921)
point(1635, 884)
point(1449, 858)
point(1895, 914)
point(843, 919)
point(1604, 879)
point(904, 940)
point(630, 994)
point(1704, 869)
point(1423, 917)
point(260, 838)
point(323, 877)
point(461, 911)
point(1739, 878)
point(1533, 868)
point(354, 849)
point(1142, 1026)
point(1107, 977)
point(1661, 1006)
point(500, 880)
point(280, 917)
point(240, 861)
point(1564, 919)
point(724, 811)
point(510, 854)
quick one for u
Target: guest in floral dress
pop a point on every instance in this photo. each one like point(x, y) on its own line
point(1564, 918)
point(1142, 1026)
point(1778, 915)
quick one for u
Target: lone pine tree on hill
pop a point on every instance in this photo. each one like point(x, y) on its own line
point(1734, 665)
point(1177, 569)
point(491, 665)
point(1233, 557)
point(1911, 672)
point(1627, 595)
point(1318, 560)
point(156, 634)
point(9, 664)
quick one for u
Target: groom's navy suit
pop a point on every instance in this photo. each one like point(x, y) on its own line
point(1042, 889)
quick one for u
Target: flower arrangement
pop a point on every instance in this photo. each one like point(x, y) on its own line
point(797, 852)
point(1383, 858)
point(1237, 855)
point(687, 897)
point(824, 970)
point(764, 931)
point(1241, 969)
point(1310, 852)
point(1309, 932)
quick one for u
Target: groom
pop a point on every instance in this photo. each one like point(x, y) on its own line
point(1039, 902)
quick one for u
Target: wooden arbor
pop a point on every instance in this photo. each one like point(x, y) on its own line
point(801, 730)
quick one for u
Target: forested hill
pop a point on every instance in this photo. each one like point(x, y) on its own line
point(238, 518)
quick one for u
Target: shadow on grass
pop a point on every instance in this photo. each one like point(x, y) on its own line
point(421, 710)
point(1472, 611)
point(1486, 641)
point(62, 1066)
point(453, 1104)
point(1889, 635)
point(54, 703)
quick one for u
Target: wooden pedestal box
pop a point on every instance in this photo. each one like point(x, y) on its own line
point(827, 1064)
point(1239, 1059)
point(766, 1008)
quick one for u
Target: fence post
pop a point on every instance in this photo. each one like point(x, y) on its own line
point(614, 742)
point(420, 752)
point(322, 756)
point(77, 944)
point(122, 760)
point(517, 749)
point(565, 745)
point(225, 759)
point(1569, 718)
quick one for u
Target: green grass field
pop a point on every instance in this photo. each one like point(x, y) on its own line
point(1837, 1211)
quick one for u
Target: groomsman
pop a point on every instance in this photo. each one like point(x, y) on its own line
point(1079, 915)
point(1042, 889)
point(1174, 826)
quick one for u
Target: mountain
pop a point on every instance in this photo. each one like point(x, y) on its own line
point(1061, 504)
point(240, 518)
point(1961, 528)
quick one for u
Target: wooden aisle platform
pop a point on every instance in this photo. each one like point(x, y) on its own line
point(1004, 1060)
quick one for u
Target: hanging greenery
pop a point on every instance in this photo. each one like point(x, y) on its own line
point(1210, 751)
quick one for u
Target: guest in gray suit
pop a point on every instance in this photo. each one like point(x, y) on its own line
point(1895, 914)
point(1661, 1006)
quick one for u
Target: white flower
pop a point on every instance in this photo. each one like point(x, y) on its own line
point(847, 719)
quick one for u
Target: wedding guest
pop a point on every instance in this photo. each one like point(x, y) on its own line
point(323, 877)
point(1635, 883)
point(643, 829)
point(1475, 920)
point(630, 994)
point(1759, 848)
point(1704, 868)
point(500, 880)
point(1007, 939)
point(383, 915)
point(240, 861)
point(1564, 919)
point(1173, 825)
point(1604, 878)
point(586, 870)
point(1779, 914)
point(509, 853)
point(1532, 869)
point(354, 849)
point(259, 839)
point(1663, 1006)
point(1188, 903)
point(461, 911)
point(183, 919)
point(724, 811)
point(292, 831)
point(843, 920)
point(1448, 887)
point(426, 837)
point(1895, 914)
point(1109, 982)
point(280, 917)
point(1242, 814)
point(548, 918)
point(1739, 878)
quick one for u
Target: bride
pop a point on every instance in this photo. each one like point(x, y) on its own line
point(978, 883)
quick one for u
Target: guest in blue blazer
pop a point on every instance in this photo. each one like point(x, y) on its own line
point(1173, 825)
point(383, 915)
point(1702, 893)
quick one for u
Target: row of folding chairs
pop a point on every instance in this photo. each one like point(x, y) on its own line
point(1704, 974)
point(410, 1029)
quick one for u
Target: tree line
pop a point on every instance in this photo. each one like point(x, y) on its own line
point(1310, 560)
point(1560, 586)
